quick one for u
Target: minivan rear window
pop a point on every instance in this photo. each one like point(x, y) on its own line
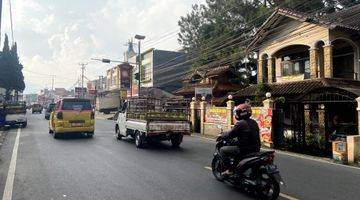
point(76, 105)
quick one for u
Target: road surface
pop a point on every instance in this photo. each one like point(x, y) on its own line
point(105, 168)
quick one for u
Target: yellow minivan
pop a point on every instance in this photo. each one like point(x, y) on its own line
point(72, 115)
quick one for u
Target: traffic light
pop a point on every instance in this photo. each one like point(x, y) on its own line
point(137, 76)
point(105, 60)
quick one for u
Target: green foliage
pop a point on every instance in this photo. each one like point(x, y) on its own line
point(219, 31)
point(11, 76)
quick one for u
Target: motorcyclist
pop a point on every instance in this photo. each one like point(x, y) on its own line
point(246, 130)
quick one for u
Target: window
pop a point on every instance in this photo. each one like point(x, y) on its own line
point(295, 67)
point(146, 72)
point(286, 68)
point(76, 105)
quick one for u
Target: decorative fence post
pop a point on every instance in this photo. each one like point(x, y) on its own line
point(229, 111)
point(193, 105)
point(353, 141)
point(202, 114)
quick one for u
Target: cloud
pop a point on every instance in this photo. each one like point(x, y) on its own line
point(65, 36)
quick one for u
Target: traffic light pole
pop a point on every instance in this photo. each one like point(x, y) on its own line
point(139, 67)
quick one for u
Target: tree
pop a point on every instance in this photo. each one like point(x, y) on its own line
point(219, 31)
point(10, 69)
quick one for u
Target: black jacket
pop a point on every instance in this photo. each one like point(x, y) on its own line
point(247, 134)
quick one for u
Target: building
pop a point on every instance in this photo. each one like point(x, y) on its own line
point(119, 77)
point(310, 67)
point(160, 69)
point(30, 98)
point(219, 80)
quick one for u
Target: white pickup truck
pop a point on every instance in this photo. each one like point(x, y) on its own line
point(149, 120)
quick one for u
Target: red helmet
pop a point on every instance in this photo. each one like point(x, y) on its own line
point(242, 111)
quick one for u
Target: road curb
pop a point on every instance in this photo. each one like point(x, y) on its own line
point(293, 154)
point(2, 137)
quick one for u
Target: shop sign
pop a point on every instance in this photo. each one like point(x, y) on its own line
point(216, 115)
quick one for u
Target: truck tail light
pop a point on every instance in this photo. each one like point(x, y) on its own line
point(92, 115)
point(59, 115)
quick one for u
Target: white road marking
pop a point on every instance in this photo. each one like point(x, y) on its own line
point(9, 185)
point(288, 197)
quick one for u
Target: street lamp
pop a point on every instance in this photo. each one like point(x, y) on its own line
point(139, 38)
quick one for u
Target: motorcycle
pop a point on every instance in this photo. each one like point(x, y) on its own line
point(254, 172)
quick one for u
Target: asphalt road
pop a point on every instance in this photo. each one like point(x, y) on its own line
point(105, 168)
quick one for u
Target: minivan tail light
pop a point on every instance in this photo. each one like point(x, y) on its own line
point(59, 115)
point(92, 115)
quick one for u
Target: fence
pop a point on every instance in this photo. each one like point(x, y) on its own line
point(211, 117)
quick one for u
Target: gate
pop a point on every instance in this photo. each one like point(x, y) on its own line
point(197, 124)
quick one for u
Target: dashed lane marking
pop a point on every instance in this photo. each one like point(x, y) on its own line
point(288, 197)
point(9, 185)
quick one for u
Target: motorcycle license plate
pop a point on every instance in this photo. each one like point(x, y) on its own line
point(271, 169)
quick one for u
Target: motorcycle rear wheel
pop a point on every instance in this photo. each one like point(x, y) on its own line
point(269, 189)
point(218, 167)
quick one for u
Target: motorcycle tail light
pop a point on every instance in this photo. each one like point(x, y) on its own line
point(59, 115)
point(92, 115)
point(270, 158)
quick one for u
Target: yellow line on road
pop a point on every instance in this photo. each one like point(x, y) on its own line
point(288, 197)
point(9, 185)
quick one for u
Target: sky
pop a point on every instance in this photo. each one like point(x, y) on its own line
point(54, 36)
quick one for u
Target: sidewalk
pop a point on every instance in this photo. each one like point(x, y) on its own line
point(289, 153)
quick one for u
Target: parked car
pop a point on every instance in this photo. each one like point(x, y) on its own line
point(15, 114)
point(48, 110)
point(72, 115)
point(151, 120)
point(37, 108)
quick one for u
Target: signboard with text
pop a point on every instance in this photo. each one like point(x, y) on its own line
point(216, 115)
point(203, 92)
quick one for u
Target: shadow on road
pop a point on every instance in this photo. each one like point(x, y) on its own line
point(73, 136)
point(155, 146)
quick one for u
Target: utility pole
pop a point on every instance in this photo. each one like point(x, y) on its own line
point(0, 17)
point(139, 38)
point(52, 87)
point(83, 66)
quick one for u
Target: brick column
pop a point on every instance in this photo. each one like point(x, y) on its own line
point(314, 58)
point(328, 62)
point(270, 69)
point(307, 122)
point(358, 110)
point(193, 106)
point(321, 117)
point(260, 72)
point(202, 115)
point(229, 112)
point(278, 67)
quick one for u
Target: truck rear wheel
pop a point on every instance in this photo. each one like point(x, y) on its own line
point(118, 135)
point(139, 140)
point(176, 140)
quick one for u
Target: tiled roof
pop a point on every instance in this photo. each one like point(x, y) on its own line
point(301, 87)
point(347, 18)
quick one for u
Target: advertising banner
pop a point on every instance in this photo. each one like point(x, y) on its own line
point(263, 116)
point(216, 115)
